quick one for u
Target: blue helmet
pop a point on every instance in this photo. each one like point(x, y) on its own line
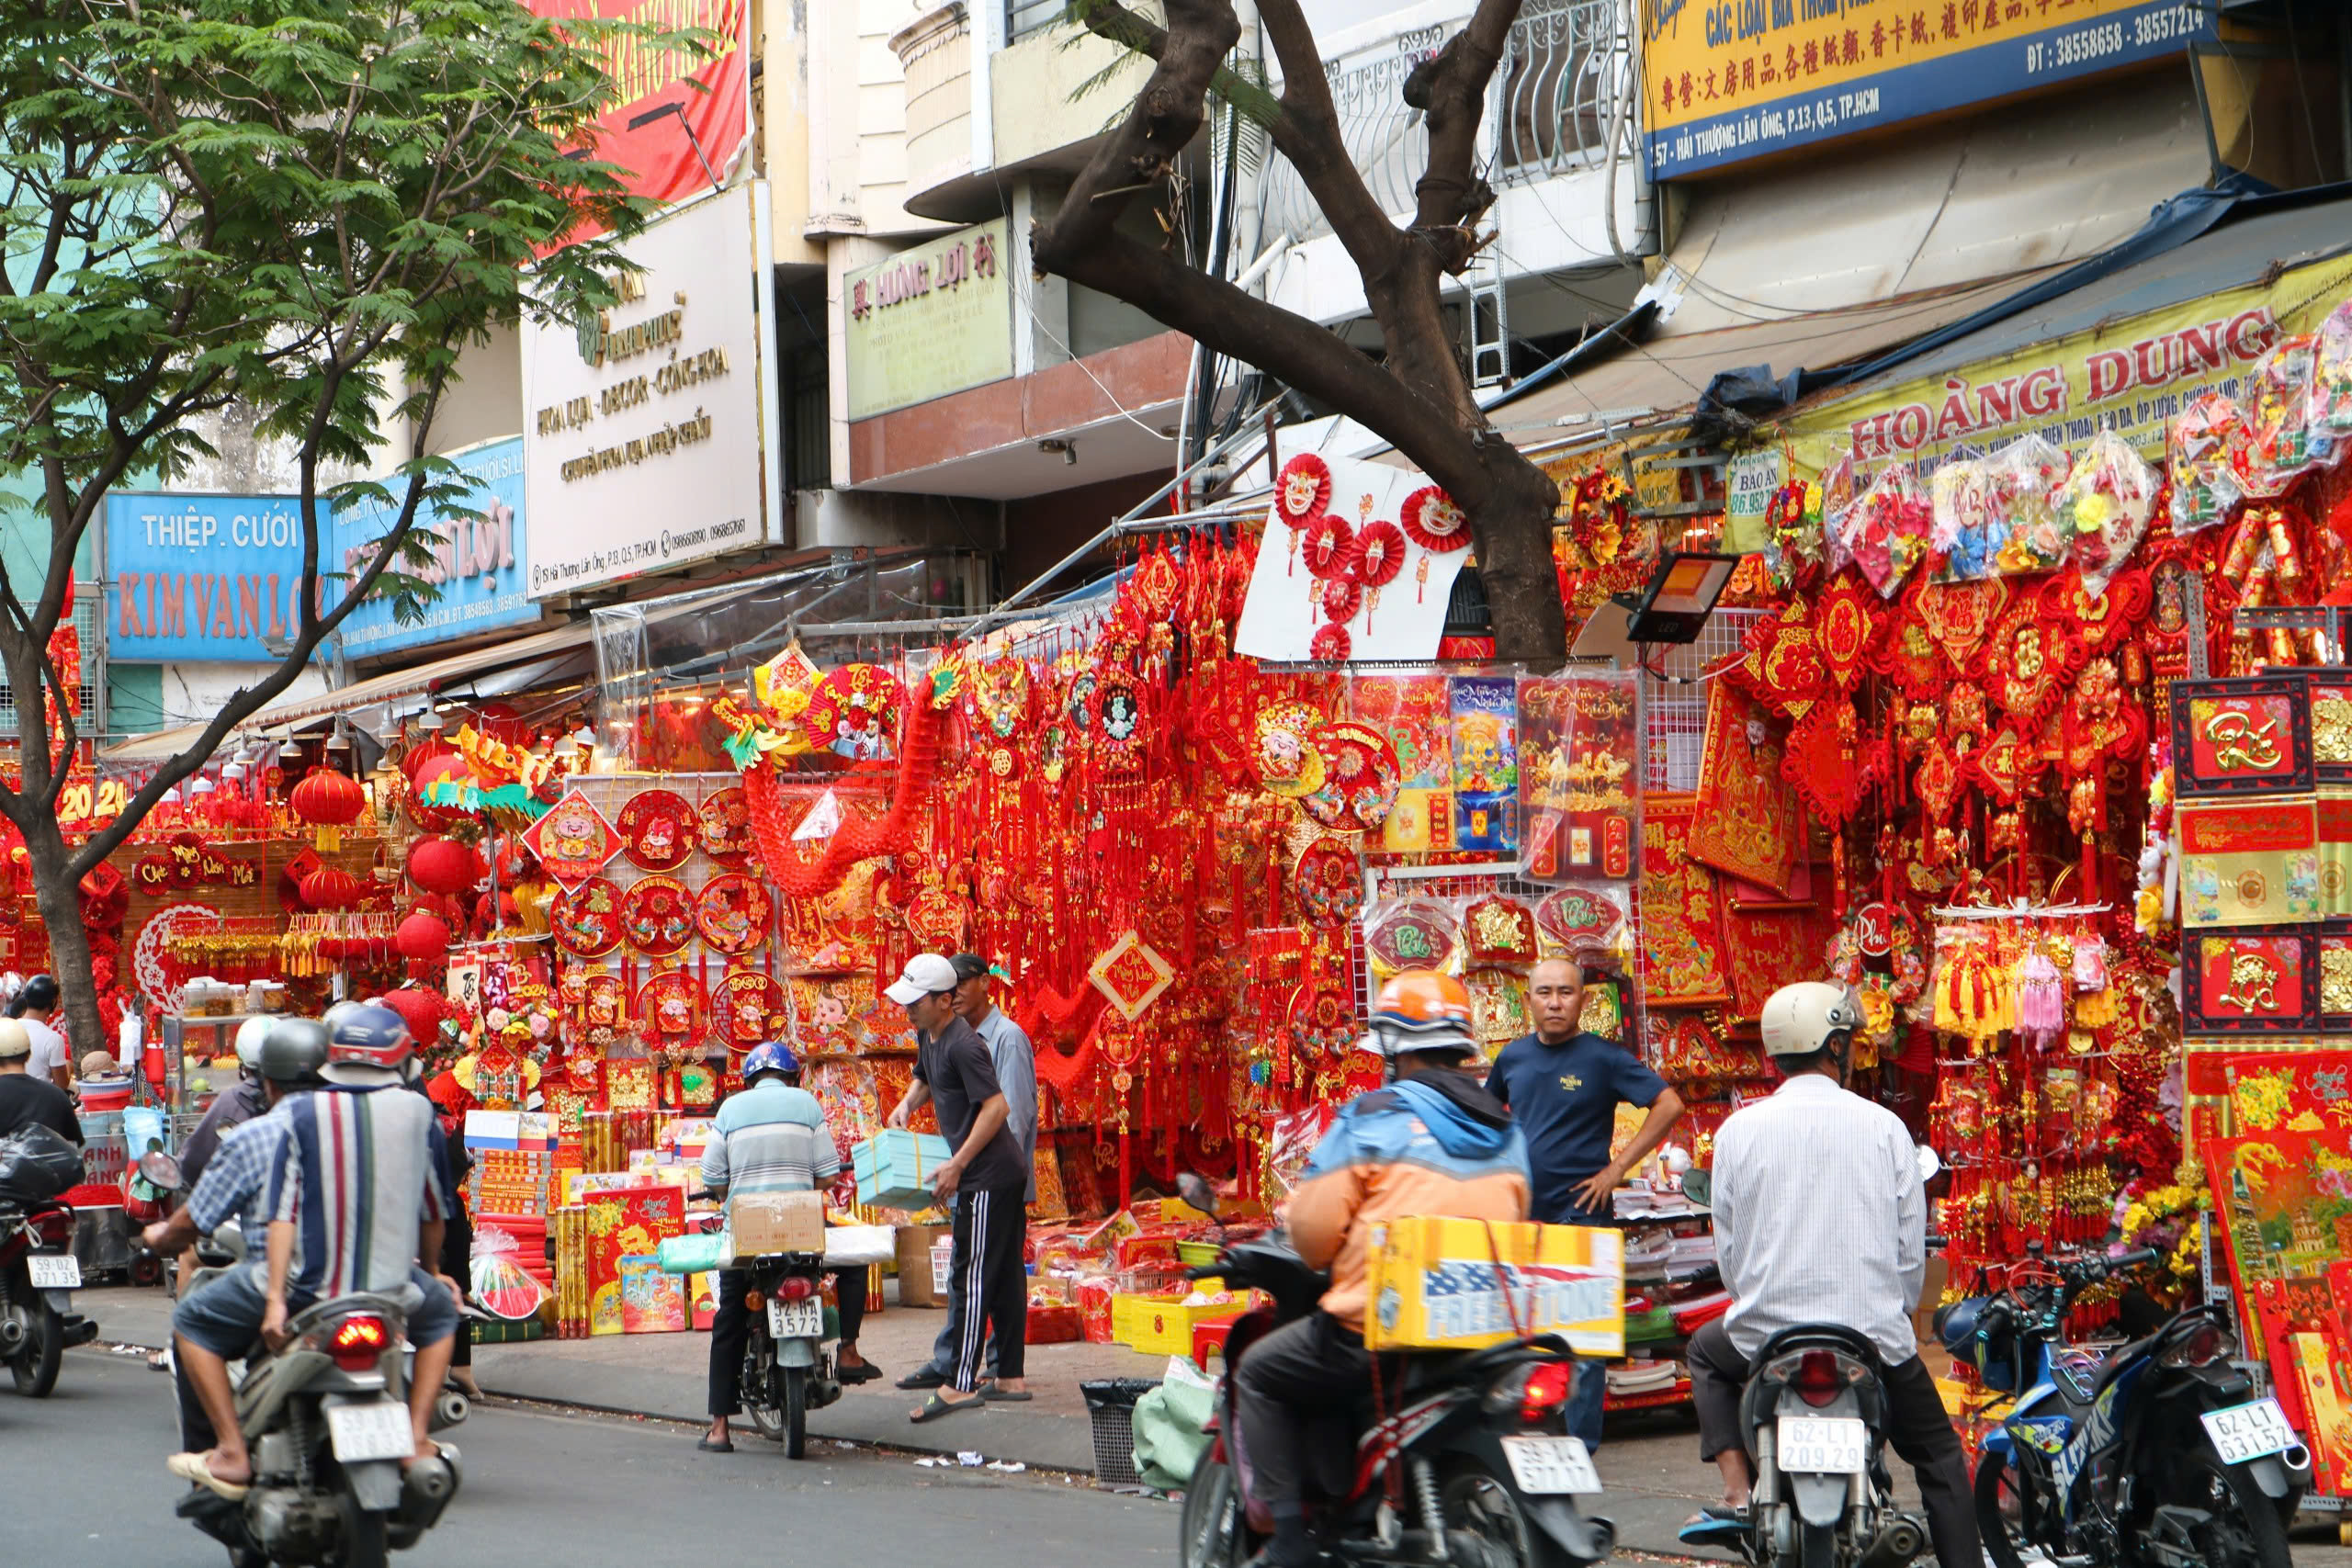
point(774, 1056)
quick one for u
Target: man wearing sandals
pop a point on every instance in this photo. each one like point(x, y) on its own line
point(986, 1178)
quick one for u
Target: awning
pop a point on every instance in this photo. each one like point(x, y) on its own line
point(540, 648)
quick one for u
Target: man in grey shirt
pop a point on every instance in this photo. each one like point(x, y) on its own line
point(1016, 1074)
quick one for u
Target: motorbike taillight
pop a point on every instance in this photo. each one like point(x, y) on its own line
point(1818, 1381)
point(1549, 1387)
point(356, 1342)
point(798, 1289)
point(54, 1227)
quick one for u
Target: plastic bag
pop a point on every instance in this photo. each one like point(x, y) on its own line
point(1969, 531)
point(2330, 404)
point(2106, 501)
point(2025, 476)
point(1170, 1425)
point(37, 1164)
point(2203, 447)
point(1888, 528)
point(2279, 440)
point(1835, 509)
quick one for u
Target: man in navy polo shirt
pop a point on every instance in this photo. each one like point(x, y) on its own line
point(1564, 1087)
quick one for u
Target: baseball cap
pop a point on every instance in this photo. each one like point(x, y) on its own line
point(925, 973)
point(971, 967)
point(15, 1041)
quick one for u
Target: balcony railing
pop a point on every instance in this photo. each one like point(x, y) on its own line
point(1022, 17)
point(1549, 110)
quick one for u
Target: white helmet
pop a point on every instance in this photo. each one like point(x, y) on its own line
point(1799, 1019)
point(250, 1034)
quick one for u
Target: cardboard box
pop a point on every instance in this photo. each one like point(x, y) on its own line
point(895, 1169)
point(916, 1288)
point(1931, 1295)
point(1449, 1285)
point(763, 1223)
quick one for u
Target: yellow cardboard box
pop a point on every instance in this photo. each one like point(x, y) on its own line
point(1448, 1284)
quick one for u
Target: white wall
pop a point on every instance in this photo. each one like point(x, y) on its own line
point(194, 691)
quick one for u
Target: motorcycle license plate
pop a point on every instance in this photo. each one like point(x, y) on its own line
point(54, 1272)
point(2249, 1431)
point(797, 1320)
point(362, 1432)
point(1550, 1466)
point(1821, 1445)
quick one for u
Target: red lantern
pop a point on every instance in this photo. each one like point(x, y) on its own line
point(421, 1011)
point(444, 768)
point(423, 937)
point(441, 865)
point(329, 802)
point(331, 887)
point(507, 911)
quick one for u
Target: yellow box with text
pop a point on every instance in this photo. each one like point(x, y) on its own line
point(1450, 1284)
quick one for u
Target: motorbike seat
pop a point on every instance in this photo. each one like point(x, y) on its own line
point(1819, 1336)
point(2119, 1357)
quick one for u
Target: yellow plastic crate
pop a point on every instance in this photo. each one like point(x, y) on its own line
point(1162, 1325)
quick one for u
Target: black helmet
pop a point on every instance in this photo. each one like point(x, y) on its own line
point(293, 1052)
point(40, 995)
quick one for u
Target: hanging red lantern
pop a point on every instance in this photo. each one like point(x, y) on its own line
point(507, 911)
point(421, 1010)
point(329, 802)
point(331, 887)
point(441, 865)
point(423, 937)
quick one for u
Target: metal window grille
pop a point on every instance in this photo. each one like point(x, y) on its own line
point(1566, 69)
point(1674, 716)
point(90, 622)
point(1022, 17)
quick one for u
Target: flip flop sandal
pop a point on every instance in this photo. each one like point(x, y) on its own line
point(1712, 1524)
point(924, 1376)
point(935, 1407)
point(707, 1446)
point(1005, 1396)
point(191, 1467)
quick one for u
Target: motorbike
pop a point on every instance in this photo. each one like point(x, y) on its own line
point(2156, 1453)
point(1471, 1464)
point(789, 1367)
point(38, 1271)
point(325, 1419)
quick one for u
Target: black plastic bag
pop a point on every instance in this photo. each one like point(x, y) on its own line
point(37, 1164)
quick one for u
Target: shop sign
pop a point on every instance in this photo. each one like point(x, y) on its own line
point(1750, 480)
point(2132, 376)
point(480, 562)
point(202, 577)
point(931, 320)
point(641, 444)
point(1725, 81)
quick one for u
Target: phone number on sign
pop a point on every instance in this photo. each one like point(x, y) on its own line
point(2085, 46)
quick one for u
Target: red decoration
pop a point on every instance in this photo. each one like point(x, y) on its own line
point(1303, 490)
point(1379, 554)
point(733, 913)
point(1432, 521)
point(724, 828)
point(421, 1010)
point(1846, 627)
point(423, 937)
point(106, 897)
point(441, 865)
point(329, 802)
point(1331, 643)
point(751, 1008)
point(669, 1009)
point(658, 915)
point(1330, 540)
point(854, 712)
point(1341, 598)
point(331, 887)
point(586, 919)
point(573, 842)
point(658, 828)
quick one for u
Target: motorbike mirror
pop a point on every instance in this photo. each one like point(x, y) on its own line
point(1699, 1186)
point(1194, 1189)
point(160, 1170)
point(1930, 1163)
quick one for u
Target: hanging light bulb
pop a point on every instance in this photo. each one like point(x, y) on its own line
point(235, 772)
point(431, 721)
point(341, 739)
point(198, 785)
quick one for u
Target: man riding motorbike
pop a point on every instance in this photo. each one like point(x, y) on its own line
point(359, 1193)
point(1433, 1142)
point(286, 1057)
point(1820, 1218)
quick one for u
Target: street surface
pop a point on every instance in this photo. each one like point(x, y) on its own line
point(86, 1488)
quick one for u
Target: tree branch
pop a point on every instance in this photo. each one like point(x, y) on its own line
point(1449, 196)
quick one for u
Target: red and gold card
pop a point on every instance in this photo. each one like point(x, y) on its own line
point(2335, 850)
point(2249, 863)
point(2251, 982)
point(2294, 1092)
point(1749, 825)
point(2249, 736)
point(1682, 936)
point(1769, 949)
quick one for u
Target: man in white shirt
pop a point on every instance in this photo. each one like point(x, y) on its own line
point(31, 1008)
point(1820, 1218)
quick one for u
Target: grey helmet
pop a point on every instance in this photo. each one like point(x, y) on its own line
point(293, 1052)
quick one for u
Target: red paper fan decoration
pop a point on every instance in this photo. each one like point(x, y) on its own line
point(1331, 643)
point(1303, 490)
point(586, 919)
point(658, 916)
point(1578, 920)
point(658, 828)
point(1341, 598)
point(854, 712)
point(1415, 934)
point(1432, 521)
point(733, 913)
point(724, 828)
point(1379, 554)
point(751, 1008)
point(1328, 541)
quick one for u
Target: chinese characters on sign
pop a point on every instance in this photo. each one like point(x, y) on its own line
point(931, 320)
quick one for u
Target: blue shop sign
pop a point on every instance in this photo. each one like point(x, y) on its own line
point(200, 577)
point(481, 565)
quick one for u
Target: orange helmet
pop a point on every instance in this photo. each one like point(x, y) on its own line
point(1420, 1010)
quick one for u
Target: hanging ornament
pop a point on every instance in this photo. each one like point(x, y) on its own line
point(1328, 541)
point(733, 913)
point(1118, 733)
point(1321, 1020)
point(1432, 521)
point(1131, 975)
point(750, 1008)
point(1577, 921)
point(331, 887)
point(573, 842)
point(441, 865)
point(658, 916)
point(1380, 558)
point(1331, 644)
point(1287, 762)
point(1360, 778)
point(1418, 933)
point(1339, 597)
point(586, 919)
point(669, 1009)
point(723, 827)
point(423, 937)
point(658, 828)
point(1302, 492)
point(1502, 931)
point(853, 713)
point(329, 802)
point(1328, 882)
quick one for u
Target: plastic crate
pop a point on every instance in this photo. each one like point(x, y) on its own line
point(1111, 1405)
point(1199, 1253)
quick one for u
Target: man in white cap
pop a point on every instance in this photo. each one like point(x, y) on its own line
point(985, 1177)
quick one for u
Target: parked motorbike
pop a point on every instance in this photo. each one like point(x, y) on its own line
point(38, 1271)
point(327, 1421)
point(2157, 1453)
point(789, 1367)
point(1470, 1464)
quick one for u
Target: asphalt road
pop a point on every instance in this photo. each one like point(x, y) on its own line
point(85, 1487)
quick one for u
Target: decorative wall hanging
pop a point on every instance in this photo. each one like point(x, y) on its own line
point(1288, 764)
point(2251, 982)
point(1302, 494)
point(1502, 932)
point(854, 712)
point(734, 912)
point(2251, 736)
point(1359, 778)
point(669, 1009)
point(658, 916)
point(723, 828)
point(751, 1010)
point(601, 1004)
point(1416, 933)
point(1768, 949)
point(586, 919)
point(658, 829)
point(1747, 822)
point(1681, 941)
point(1130, 974)
point(1321, 1020)
point(1329, 881)
point(1577, 922)
point(573, 842)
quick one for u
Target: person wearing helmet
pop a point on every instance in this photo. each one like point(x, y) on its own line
point(1820, 1218)
point(358, 1204)
point(1431, 1142)
point(1564, 1084)
point(285, 1054)
point(31, 1006)
point(234, 1106)
point(770, 1137)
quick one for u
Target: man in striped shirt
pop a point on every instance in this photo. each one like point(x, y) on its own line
point(770, 1137)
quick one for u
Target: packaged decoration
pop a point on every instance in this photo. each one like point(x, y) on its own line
point(2203, 447)
point(2027, 475)
point(1887, 530)
point(1970, 530)
point(2330, 405)
point(2106, 501)
point(2279, 440)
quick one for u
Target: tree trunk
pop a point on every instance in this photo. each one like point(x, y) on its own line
point(69, 943)
point(1514, 536)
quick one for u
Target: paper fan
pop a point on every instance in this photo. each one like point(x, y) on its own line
point(1415, 934)
point(1434, 523)
point(1329, 539)
point(1379, 554)
point(1303, 490)
point(1577, 920)
point(854, 712)
point(1331, 644)
point(1341, 598)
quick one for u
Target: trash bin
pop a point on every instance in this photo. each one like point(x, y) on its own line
point(1110, 1404)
